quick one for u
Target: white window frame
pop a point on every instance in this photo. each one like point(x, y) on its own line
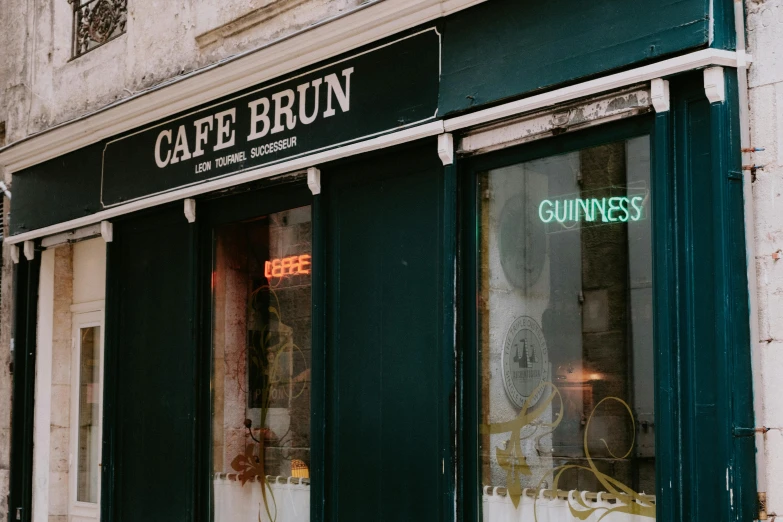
point(84, 316)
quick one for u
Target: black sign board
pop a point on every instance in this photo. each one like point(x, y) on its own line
point(385, 88)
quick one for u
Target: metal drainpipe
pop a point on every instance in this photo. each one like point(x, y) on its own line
point(750, 247)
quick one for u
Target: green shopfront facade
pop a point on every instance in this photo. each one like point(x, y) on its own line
point(489, 266)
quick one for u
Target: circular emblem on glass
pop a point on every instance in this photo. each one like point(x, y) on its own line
point(525, 363)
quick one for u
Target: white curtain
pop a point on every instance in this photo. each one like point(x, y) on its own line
point(500, 508)
point(286, 502)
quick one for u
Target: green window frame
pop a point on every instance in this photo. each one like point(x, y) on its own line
point(701, 340)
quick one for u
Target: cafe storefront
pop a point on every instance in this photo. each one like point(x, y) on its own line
point(490, 266)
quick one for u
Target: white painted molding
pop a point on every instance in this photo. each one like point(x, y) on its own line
point(314, 180)
point(714, 85)
point(89, 306)
point(332, 37)
point(536, 125)
point(42, 411)
point(686, 62)
point(29, 250)
point(659, 95)
point(15, 254)
point(190, 210)
point(71, 236)
point(446, 148)
point(286, 167)
point(107, 231)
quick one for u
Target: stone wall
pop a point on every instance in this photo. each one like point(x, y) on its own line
point(765, 33)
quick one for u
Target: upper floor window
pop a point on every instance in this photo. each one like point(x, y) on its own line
point(96, 22)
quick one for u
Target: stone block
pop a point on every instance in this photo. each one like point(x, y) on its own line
point(59, 447)
point(772, 366)
point(774, 460)
point(4, 476)
point(5, 448)
point(61, 401)
point(58, 493)
point(61, 361)
point(764, 28)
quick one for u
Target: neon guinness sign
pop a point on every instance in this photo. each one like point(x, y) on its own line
point(606, 210)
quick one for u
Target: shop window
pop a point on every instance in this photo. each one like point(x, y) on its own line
point(261, 369)
point(86, 414)
point(565, 336)
point(96, 22)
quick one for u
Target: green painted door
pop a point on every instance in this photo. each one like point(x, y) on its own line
point(149, 423)
point(387, 416)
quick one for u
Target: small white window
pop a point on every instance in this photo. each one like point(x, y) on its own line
point(86, 414)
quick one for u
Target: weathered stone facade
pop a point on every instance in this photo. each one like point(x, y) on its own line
point(765, 33)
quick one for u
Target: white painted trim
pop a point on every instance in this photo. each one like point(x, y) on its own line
point(564, 117)
point(15, 254)
point(88, 306)
point(321, 42)
point(299, 164)
point(190, 210)
point(43, 389)
point(686, 62)
point(29, 250)
point(81, 320)
point(107, 231)
point(659, 95)
point(714, 85)
point(446, 148)
point(71, 236)
point(314, 180)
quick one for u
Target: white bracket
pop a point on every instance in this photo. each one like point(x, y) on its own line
point(659, 95)
point(190, 210)
point(15, 254)
point(314, 180)
point(29, 250)
point(446, 148)
point(714, 86)
point(107, 231)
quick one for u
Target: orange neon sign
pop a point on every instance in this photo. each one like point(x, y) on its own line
point(287, 266)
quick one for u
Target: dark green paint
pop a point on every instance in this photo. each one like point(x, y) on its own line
point(668, 470)
point(724, 36)
point(702, 355)
point(151, 380)
point(448, 403)
point(491, 52)
point(712, 337)
point(387, 413)
point(65, 188)
point(391, 86)
point(320, 394)
point(505, 48)
point(23, 399)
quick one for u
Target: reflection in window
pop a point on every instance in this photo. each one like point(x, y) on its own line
point(565, 336)
point(261, 369)
point(89, 415)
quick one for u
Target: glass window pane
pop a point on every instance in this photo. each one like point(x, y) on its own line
point(565, 335)
point(89, 415)
point(261, 369)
